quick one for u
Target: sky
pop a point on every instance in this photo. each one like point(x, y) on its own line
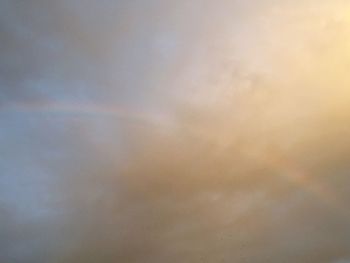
point(189, 131)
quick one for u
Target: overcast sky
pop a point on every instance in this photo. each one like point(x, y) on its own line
point(174, 131)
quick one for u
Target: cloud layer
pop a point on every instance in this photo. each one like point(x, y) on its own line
point(174, 131)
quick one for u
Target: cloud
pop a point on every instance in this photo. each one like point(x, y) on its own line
point(174, 131)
